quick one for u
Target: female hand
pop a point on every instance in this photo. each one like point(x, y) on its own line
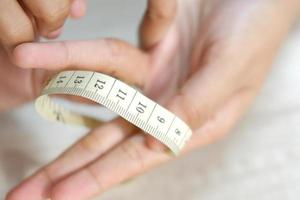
point(24, 21)
point(205, 61)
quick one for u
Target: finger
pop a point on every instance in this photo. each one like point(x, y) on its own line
point(15, 26)
point(78, 9)
point(157, 20)
point(212, 86)
point(128, 159)
point(49, 15)
point(217, 126)
point(54, 34)
point(110, 170)
point(89, 148)
point(197, 101)
point(110, 56)
point(223, 120)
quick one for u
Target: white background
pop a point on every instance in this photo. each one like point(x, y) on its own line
point(259, 160)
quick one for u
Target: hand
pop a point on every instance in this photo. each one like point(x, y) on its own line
point(205, 61)
point(23, 21)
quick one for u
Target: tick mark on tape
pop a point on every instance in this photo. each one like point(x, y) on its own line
point(120, 98)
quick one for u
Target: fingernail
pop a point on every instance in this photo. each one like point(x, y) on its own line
point(78, 9)
point(54, 34)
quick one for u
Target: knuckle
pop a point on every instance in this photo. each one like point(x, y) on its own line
point(90, 143)
point(116, 55)
point(133, 153)
point(96, 175)
point(58, 192)
point(55, 16)
point(115, 47)
point(194, 115)
point(66, 53)
point(18, 34)
point(47, 174)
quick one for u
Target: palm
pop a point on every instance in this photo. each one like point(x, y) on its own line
point(223, 43)
point(207, 69)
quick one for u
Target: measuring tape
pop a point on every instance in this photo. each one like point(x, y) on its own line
point(117, 96)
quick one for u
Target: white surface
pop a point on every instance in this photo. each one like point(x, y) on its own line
point(259, 160)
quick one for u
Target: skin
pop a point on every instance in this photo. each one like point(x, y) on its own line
point(25, 21)
point(204, 60)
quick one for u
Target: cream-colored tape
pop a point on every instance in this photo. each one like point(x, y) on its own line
point(118, 97)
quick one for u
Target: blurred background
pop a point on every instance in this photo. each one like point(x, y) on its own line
point(260, 159)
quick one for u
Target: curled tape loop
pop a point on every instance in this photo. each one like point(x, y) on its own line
point(117, 96)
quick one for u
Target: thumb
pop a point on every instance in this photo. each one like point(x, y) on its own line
point(157, 20)
point(78, 9)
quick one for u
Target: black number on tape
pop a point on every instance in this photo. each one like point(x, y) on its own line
point(79, 79)
point(121, 94)
point(100, 84)
point(61, 79)
point(178, 132)
point(141, 108)
point(161, 119)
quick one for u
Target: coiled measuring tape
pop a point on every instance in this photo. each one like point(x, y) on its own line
point(117, 96)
